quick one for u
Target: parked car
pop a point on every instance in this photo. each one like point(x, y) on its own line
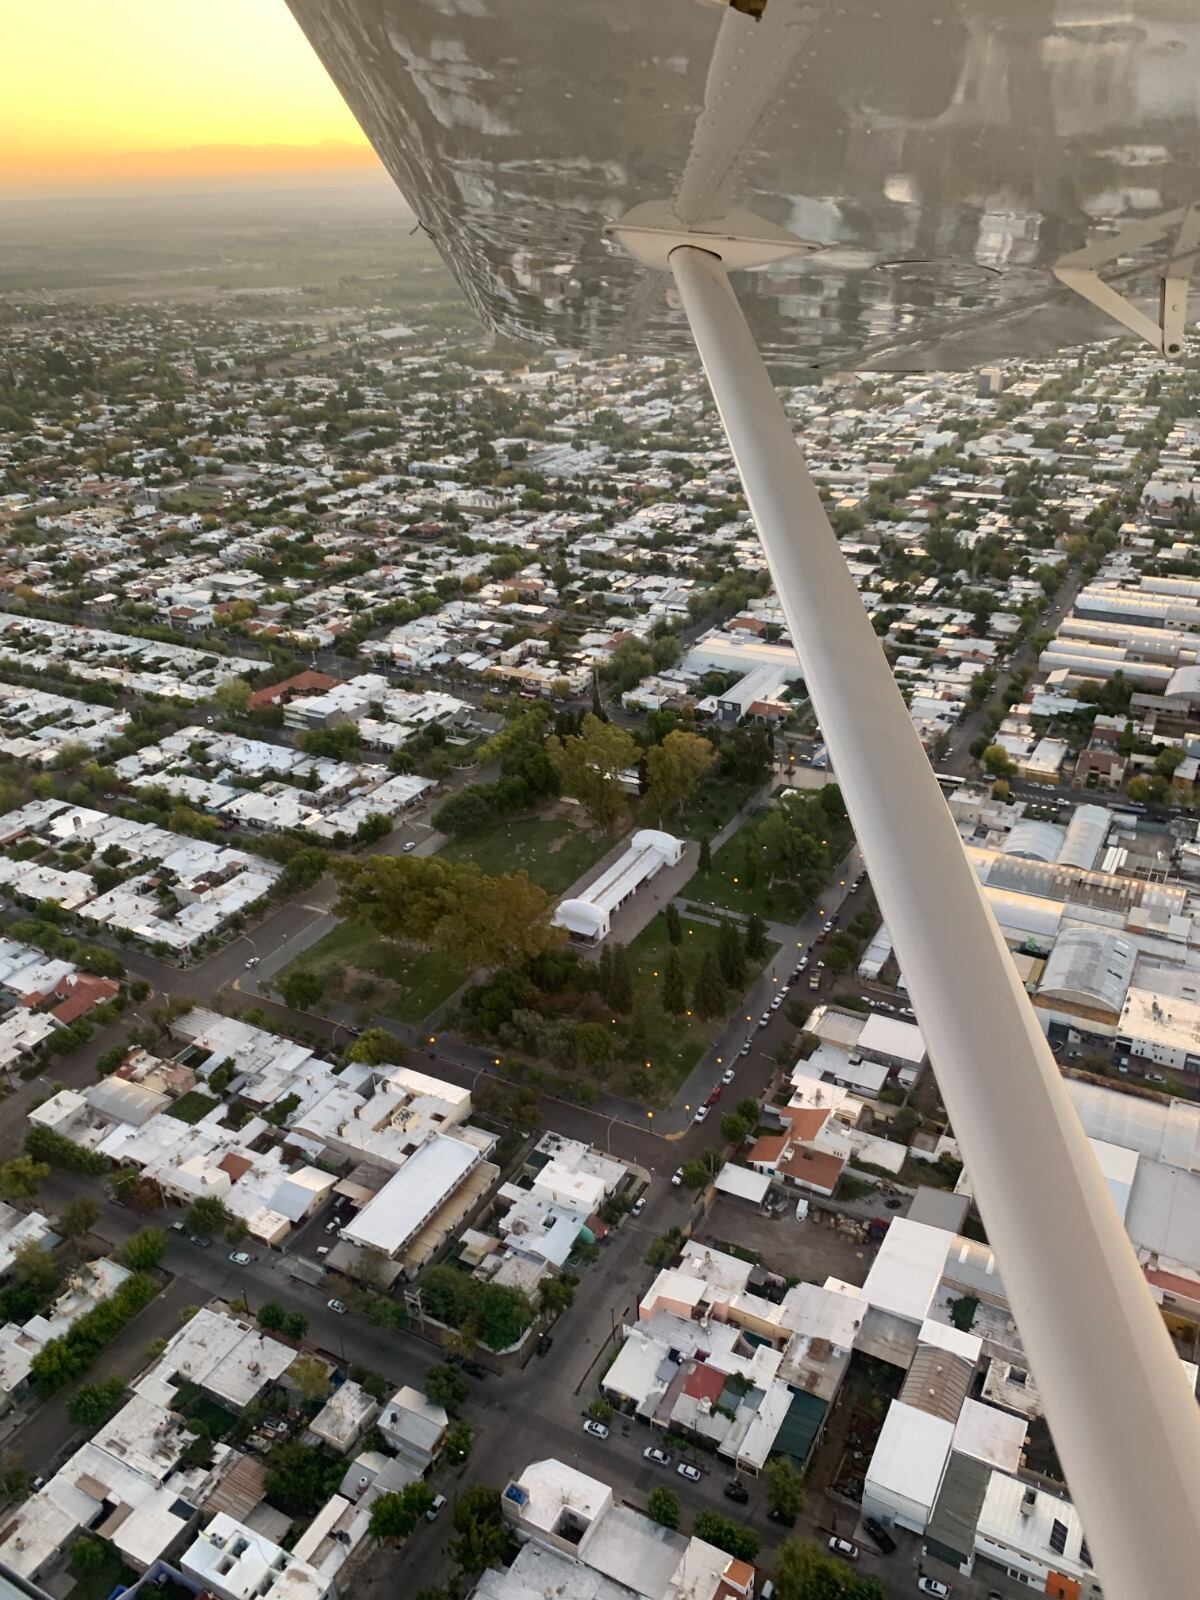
point(734, 1490)
point(933, 1586)
point(745, 1050)
point(475, 1369)
point(777, 1002)
point(764, 1019)
point(843, 1547)
point(179, 1227)
point(639, 1205)
point(775, 1515)
point(596, 1429)
point(727, 1075)
point(894, 1204)
point(880, 1534)
point(409, 844)
point(714, 1094)
point(677, 1177)
point(545, 1344)
point(331, 1227)
point(686, 1470)
point(239, 1258)
point(439, 1500)
point(701, 1113)
point(200, 1240)
point(659, 1457)
point(337, 1305)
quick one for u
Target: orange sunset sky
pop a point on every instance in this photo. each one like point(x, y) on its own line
point(128, 96)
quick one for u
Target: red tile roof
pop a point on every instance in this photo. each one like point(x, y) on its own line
point(815, 1167)
point(80, 992)
point(704, 1383)
point(1174, 1283)
point(806, 1121)
point(302, 683)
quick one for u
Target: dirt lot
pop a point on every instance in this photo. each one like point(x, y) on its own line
point(811, 1250)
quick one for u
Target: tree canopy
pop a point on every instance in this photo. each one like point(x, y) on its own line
point(452, 906)
point(589, 766)
point(805, 1572)
point(675, 769)
point(395, 1515)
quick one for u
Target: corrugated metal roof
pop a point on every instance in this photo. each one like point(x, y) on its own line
point(956, 1510)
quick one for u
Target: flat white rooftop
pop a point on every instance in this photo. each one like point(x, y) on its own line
point(905, 1274)
point(411, 1196)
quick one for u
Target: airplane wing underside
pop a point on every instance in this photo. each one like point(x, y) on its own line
point(937, 157)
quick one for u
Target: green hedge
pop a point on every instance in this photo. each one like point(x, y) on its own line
point(44, 1144)
point(62, 1360)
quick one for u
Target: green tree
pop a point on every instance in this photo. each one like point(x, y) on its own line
point(675, 769)
point(449, 905)
point(459, 1440)
point(208, 1215)
point(701, 1169)
point(727, 1535)
point(446, 1387)
point(708, 993)
point(94, 1403)
point(556, 1295)
point(997, 762)
point(145, 1249)
point(674, 985)
point(756, 938)
point(483, 1537)
point(233, 696)
point(503, 1315)
point(785, 1487)
point(731, 953)
point(311, 1378)
point(87, 1555)
point(373, 828)
point(663, 1507)
point(77, 1218)
point(376, 1047)
point(805, 1572)
point(589, 766)
point(300, 1479)
point(304, 868)
point(36, 1268)
point(21, 1178)
point(621, 979)
point(396, 1514)
point(674, 924)
point(734, 1127)
point(301, 990)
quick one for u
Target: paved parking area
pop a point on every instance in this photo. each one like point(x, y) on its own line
point(810, 1250)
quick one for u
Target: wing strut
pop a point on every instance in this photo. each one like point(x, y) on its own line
point(1123, 1417)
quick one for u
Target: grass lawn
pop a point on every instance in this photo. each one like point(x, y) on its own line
point(717, 803)
point(729, 886)
point(192, 1107)
point(552, 850)
point(675, 1044)
point(360, 968)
